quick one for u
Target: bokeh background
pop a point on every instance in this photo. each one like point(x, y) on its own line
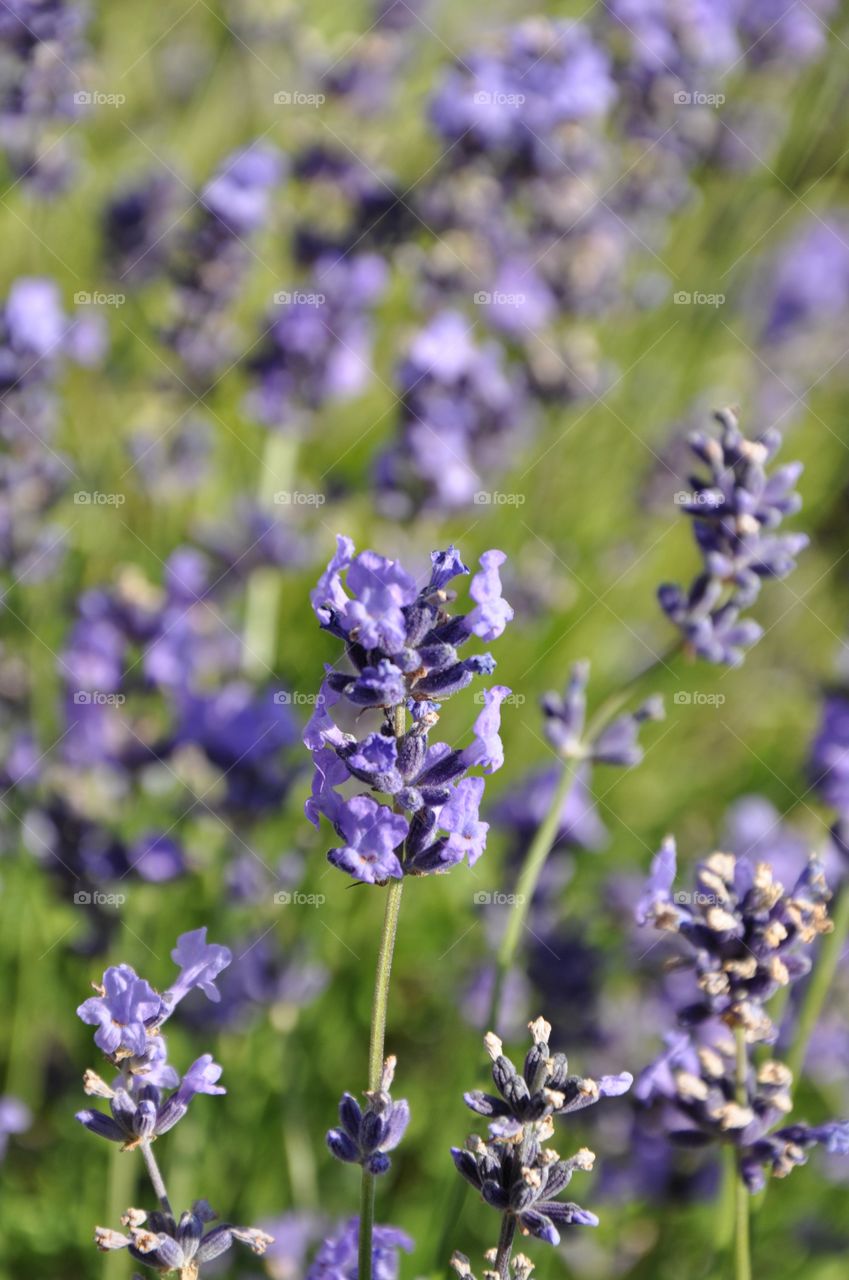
point(422, 276)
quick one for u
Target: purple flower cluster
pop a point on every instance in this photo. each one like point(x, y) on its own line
point(337, 1257)
point(403, 646)
point(37, 340)
point(746, 936)
point(735, 511)
point(317, 341)
point(41, 45)
point(160, 1242)
point(696, 1087)
point(365, 1136)
point(129, 1015)
point(616, 743)
point(461, 406)
point(513, 1170)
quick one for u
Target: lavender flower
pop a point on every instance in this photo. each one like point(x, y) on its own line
point(616, 743)
point(128, 1013)
point(162, 1244)
point(15, 1117)
point(513, 1170)
point(404, 647)
point(746, 936)
point(145, 1114)
point(698, 1085)
point(337, 1257)
point(365, 1136)
point(734, 510)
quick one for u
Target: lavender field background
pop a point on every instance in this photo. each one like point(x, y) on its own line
point(422, 275)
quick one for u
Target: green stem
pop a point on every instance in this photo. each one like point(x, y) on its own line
point(546, 833)
point(541, 846)
point(742, 1250)
point(262, 594)
point(376, 1056)
point(820, 983)
point(377, 1039)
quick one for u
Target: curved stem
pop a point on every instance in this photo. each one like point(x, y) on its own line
point(377, 1039)
point(156, 1179)
point(820, 983)
point(742, 1251)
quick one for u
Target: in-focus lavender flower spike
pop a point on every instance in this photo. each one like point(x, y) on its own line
point(364, 1136)
point(735, 510)
point(747, 936)
point(513, 1170)
point(145, 1115)
point(404, 647)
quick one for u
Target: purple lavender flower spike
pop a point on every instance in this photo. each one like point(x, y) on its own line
point(158, 1241)
point(511, 1170)
point(735, 511)
point(200, 963)
point(405, 648)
